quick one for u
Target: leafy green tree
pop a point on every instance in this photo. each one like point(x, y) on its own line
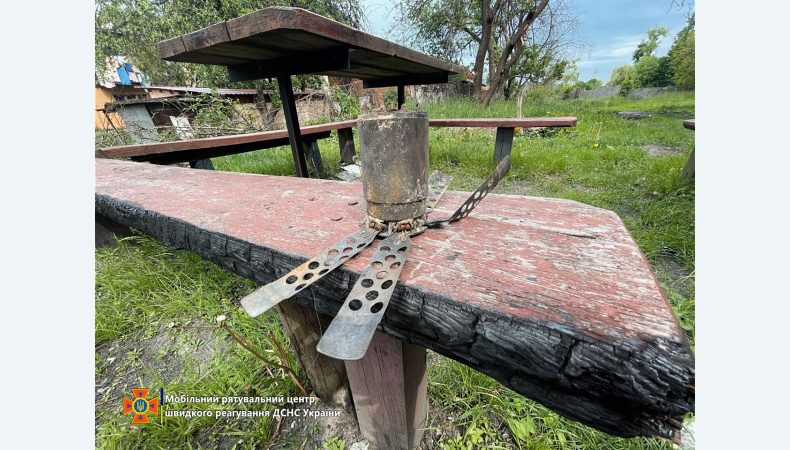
point(506, 37)
point(592, 83)
point(649, 45)
point(681, 55)
point(620, 74)
point(131, 28)
point(650, 71)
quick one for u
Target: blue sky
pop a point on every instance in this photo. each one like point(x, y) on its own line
point(609, 30)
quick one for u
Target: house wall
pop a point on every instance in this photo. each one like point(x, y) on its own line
point(105, 95)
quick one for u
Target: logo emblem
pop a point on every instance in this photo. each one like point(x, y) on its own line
point(139, 406)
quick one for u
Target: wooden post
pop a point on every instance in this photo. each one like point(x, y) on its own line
point(389, 388)
point(313, 156)
point(346, 138)
point(503, 144)
point(292, 123)
point(109, 231)
point(202, 164)
point(687, 175)
point(327, 376)
point(401, 95)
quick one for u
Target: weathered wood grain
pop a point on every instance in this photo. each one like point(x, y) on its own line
point(389, 387)
point(550, 297)
point(189, 150)
point(131, 151)
point(496, 122)
point(327, 376)
point(278, 32)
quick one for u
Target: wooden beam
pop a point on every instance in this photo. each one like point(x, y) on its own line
point(293, 64)
point(327, 376)
point(109, 231)
point(292, 124)
point(347, 151)
point(406, 79)
point(550, 297)
point(130, 151)
point(503, 143)
point(389, 388)
point(527, 122)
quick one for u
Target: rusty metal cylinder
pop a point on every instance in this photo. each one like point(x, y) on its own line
point(394, 158)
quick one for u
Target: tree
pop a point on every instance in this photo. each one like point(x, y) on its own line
point(520, 40)
point(650, 71)
point(648, 46)
point(681, 55)
point(620, 74)
point(131, 28)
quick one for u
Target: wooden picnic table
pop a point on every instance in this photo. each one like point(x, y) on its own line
point(278, 42)
point(550, 297)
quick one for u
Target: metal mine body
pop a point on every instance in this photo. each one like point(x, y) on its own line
point(394, 157)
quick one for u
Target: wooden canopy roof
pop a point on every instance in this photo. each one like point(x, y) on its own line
point(280, 41)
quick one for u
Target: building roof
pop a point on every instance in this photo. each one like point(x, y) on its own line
point(203, 90)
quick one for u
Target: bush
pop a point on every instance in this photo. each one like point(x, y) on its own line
point(349, 105)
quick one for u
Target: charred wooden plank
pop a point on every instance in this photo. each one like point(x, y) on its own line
point(551, 297)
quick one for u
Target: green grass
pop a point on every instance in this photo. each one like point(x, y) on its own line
point(145, 291)
point(142, 288)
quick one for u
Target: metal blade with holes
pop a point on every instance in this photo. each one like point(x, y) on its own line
point(478, 195)
point(352, 329)
point(266, 297)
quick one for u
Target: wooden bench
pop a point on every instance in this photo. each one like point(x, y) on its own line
point(202, 149)
point(551, 297)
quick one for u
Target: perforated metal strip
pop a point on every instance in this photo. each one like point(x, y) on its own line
point(264, 298)
point(478, 195)
point(352, 329)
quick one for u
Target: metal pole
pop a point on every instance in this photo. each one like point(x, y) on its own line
point(292, 123)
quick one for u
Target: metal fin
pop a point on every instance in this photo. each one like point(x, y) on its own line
point(437, 184)
point(478, 195)
point(349, 334)
point(266, 297)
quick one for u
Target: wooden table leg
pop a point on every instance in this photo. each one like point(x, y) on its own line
point(687, 175)
point(313, 156)
point(327, 376)
point(503, 144)
point(109, 231)
point(346, 138)
point(292, 123)
point(201, 164)
point(389, 389)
